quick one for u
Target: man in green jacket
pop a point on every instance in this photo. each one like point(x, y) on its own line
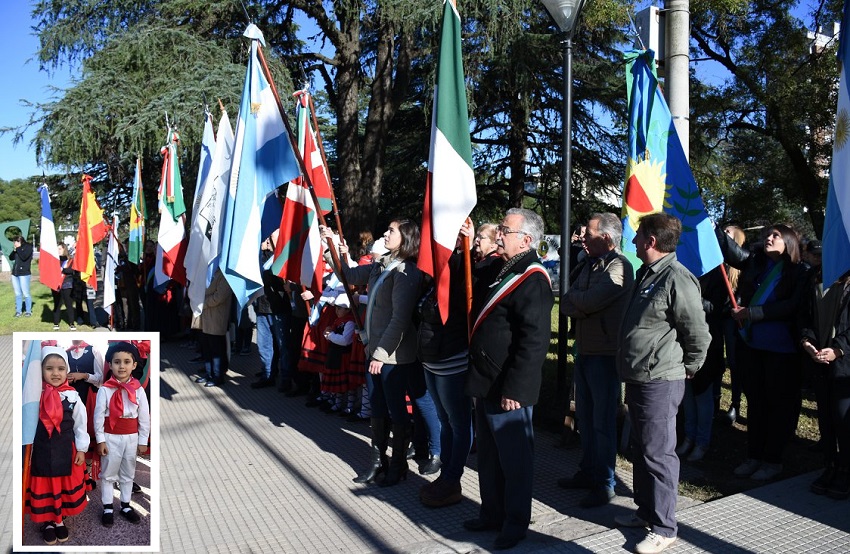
point(663, 341)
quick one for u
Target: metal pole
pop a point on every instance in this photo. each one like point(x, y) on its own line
point(566, 191)
point(677, 62)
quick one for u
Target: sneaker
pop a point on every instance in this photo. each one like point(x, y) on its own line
point(654, 543)
point(29, 314)
point(55, 327)
point(73, 327)
point(61, 533)
point(747, 468)
point(19, 315)
point(766, 472)
point(48, 533)
point(630, 520)
point(685, 447)
point(698, 453)
point(597, 497)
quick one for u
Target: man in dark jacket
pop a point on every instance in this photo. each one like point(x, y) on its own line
point(512, 309)
point(21, 258)
point(663, 340)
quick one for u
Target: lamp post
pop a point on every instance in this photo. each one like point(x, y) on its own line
point(566, 14)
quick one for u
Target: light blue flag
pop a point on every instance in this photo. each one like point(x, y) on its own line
point(263, 160)
point(31, 392)
point(836, 228)
point(658, 177)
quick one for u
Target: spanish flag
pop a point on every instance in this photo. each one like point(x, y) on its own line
point(91, 230)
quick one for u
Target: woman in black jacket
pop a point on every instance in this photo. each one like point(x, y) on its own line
point(771, 287)
point(21, 258)
point(826, 339)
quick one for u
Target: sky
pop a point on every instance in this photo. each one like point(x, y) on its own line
point(23, 80)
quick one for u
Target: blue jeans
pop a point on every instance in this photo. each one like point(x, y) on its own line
point(270, 343)
point(454, 409)
point(699, 413)
point(21, 286)
point(597, 398)
point(387, 391)
point(427, 409)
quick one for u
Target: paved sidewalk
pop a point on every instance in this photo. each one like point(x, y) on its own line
point(247, 470)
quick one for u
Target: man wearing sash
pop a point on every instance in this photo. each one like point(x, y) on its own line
point(596, 301)
point(663, 341)
point(512, 306)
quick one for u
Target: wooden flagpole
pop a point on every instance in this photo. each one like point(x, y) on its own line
point(331, 247)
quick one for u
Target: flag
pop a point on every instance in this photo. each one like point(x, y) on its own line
point(172, 209)
point(298, 251)
point(658, 177)
point(263, 160)
point(138, 214)
point(450, 187)
point(91, 230)
point(31, 392)
point(836, 228)
point(49, 269)
point(109, 267)
point(206, 224)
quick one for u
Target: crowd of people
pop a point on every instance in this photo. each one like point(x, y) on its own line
point(376, 346)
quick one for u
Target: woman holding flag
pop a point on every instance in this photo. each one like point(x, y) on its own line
point(390, 337)
point(771, 286)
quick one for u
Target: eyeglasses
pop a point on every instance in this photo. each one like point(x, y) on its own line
point(508, 231)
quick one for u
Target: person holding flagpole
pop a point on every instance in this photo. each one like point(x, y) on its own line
point(394, 283)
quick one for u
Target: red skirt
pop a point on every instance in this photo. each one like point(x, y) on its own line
point(313, 345)
point(55, 498)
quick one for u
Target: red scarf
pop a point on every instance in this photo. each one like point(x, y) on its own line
point(116, 403)
point(78, 347)
point(50, 407)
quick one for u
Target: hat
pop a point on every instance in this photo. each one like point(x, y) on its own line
point(342, 301)
point(122, 346)
point(814, 246)
point(378, 247)
point(54, 351)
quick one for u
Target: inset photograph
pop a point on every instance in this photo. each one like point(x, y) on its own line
point(86, 429)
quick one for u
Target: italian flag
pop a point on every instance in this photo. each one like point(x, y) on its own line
point(450, 188)
point(172, 214)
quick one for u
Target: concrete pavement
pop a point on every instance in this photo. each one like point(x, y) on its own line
point(247, 470)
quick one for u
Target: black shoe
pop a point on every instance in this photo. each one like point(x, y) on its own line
point(202, 379)
point(262, 383)
point(597, 497)
point(48, 532)
point(136, 488)
point(355, 418)
point(431, 466)
point(731, 415)
point(108, 518)
point(822, 483)
point(61, 533)
point(504, 543)
point(578, 481)
point(210, 383)
point(839, 488)
point(478, 525)
point(129, 513)
point(92, 484)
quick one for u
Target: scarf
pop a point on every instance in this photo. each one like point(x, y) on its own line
point(78, 348)
point(116, 403)
point(50, 407)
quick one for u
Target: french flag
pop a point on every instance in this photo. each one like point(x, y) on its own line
point(49, 268)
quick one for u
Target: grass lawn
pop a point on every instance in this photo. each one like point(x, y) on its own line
point(42, 307)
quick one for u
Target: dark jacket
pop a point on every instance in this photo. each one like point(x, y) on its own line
point(509, 345)
point(22, 258)
point(816, 328)
point(438, 341)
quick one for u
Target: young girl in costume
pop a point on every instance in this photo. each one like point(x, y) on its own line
point(122, 426)
point(339, 336)
point(56, 488)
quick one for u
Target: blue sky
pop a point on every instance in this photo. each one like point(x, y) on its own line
point(23, 80)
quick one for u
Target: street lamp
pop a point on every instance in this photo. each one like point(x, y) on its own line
point(566, 14)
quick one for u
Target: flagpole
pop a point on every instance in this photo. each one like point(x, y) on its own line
point(306, 175)
point(27, 457)
point(467, 273)
point(327, 168)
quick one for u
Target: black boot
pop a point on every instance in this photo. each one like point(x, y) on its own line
point(378, 463)
point(398, 462)
point(822, 483)
point(732, 414)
